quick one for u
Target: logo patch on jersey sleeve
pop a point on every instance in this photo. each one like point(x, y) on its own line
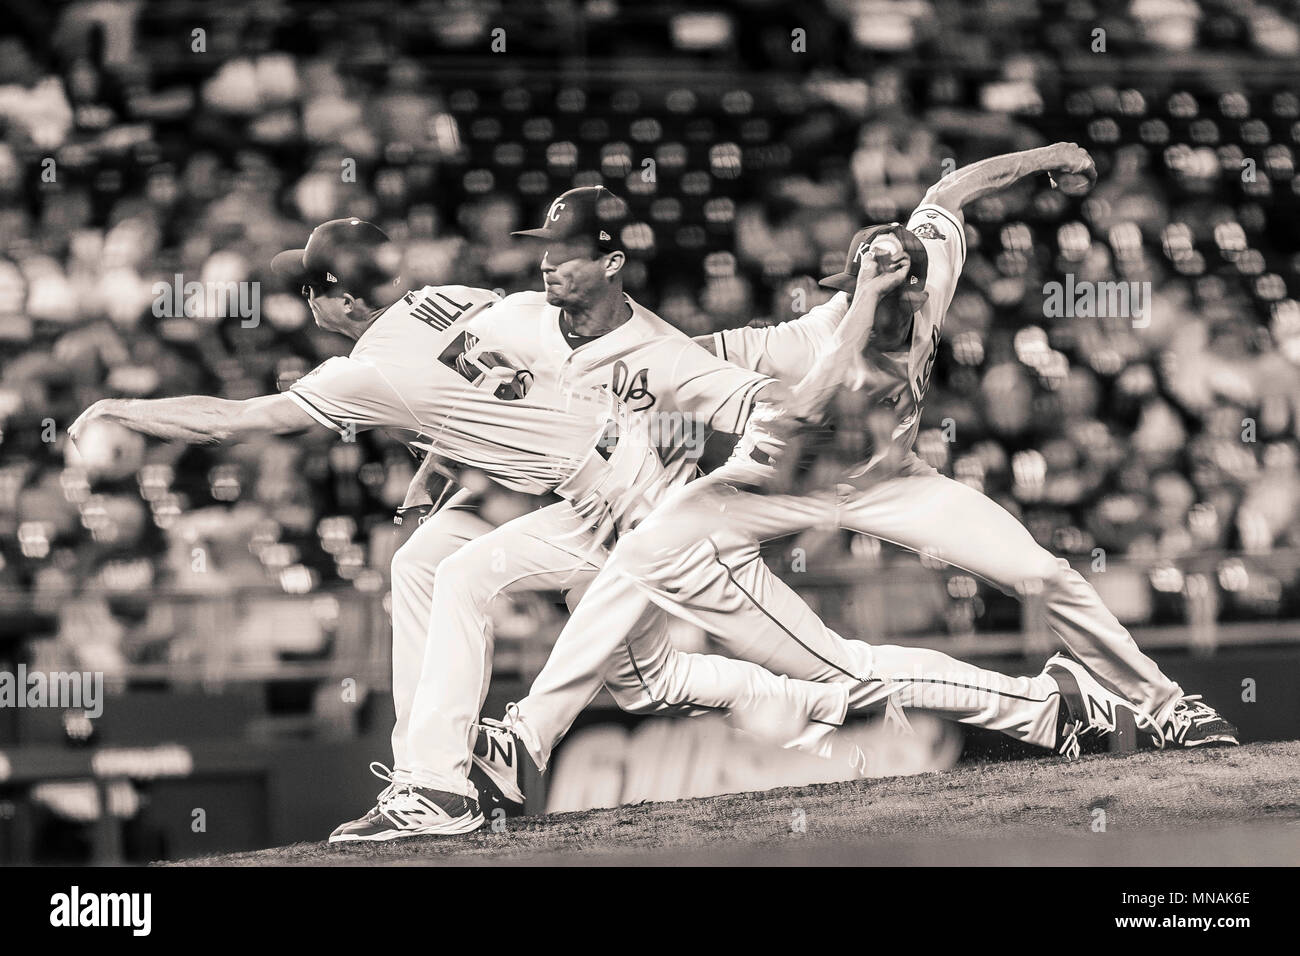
point(928, 230)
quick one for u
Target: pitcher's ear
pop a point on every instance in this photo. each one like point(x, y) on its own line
point(614, 262)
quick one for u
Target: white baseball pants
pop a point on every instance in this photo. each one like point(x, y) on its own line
point(444, 580)
point(757, 617)
point(696, 556)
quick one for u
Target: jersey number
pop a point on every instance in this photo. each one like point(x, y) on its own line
point(486, 368)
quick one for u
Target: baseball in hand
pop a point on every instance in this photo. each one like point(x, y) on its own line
point(887, 248)
point(106, 450)
point(1072, 184)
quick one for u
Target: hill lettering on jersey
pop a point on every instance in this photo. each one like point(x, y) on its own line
point(437, 314)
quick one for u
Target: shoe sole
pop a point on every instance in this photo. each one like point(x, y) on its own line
point(1211, 742)
point(509, 788)
point(452, 828)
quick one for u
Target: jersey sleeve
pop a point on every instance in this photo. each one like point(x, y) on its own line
point(786, 351)
point(944, 236)
point(709, 387)
point(345, 392)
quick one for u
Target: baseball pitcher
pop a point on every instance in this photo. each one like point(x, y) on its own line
point(697, 555)
point(421, 370)
point(583, 333)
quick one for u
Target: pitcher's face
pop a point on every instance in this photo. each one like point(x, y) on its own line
point(573, 272)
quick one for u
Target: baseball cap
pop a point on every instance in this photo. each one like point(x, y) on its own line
point(349, 254)
point(847, 280)
point(588, 212)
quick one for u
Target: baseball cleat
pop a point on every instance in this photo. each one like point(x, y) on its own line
point(1087, 708)
point(498, 753)
point(404, 810)
point(1194, 723)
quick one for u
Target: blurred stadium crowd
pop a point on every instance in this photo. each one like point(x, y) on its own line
point(135, 149)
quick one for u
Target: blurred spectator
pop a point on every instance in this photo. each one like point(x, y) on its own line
point(126, 163)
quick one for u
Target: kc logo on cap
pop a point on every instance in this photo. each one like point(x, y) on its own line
point(588, 213)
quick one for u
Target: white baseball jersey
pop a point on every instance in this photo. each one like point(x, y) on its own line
point(661, 380)
point(420, 372)
point(897, 379)
point(652, 367)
